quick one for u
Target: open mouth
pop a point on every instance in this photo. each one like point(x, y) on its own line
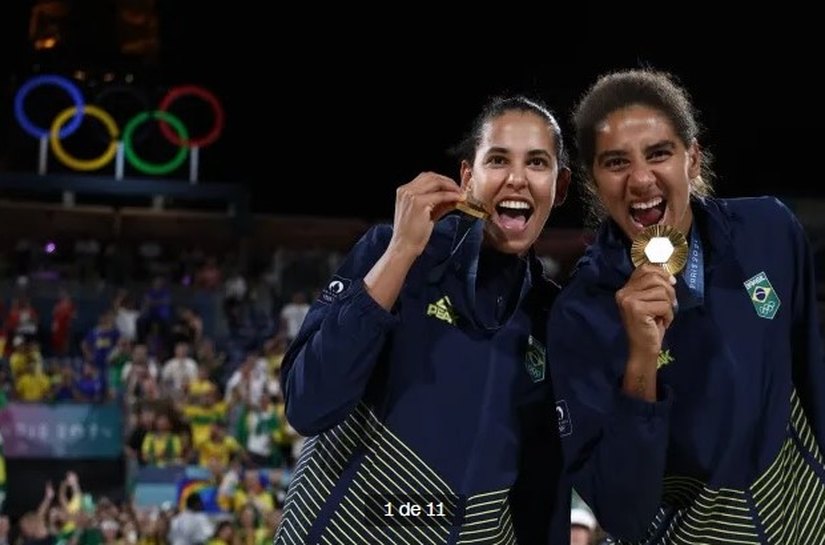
point(513, 215)
point(649, 212)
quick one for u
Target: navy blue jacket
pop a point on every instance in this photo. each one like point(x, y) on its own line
point(431, 404)
point(744, 362)
point(437, 402)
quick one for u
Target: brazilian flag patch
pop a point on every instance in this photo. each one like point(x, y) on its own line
point(763, 296)
point(534, 359)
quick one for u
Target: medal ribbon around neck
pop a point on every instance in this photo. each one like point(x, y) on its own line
point(695, 272)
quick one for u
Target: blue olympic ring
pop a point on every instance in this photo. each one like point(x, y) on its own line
point(48, 79)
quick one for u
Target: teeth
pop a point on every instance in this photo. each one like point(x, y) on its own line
point(518, 205)
point(645, 205)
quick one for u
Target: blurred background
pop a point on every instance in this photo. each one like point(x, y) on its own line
point(148, 291)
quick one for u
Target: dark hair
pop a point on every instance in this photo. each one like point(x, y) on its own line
point(500, 105)
point(641, 87)
point(194, 502)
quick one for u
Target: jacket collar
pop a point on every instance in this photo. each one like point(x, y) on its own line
point(609, 257)
point(462, 263)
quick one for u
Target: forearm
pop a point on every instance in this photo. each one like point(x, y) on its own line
point(639, 380)
point(43, 508)
point(326, 371)
point(386, 278)
point(327, 367)
point(62, 497)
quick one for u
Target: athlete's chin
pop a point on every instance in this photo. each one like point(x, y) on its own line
point(508, 243)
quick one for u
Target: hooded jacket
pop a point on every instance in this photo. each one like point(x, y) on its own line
point(442, 408)
point(744, 364)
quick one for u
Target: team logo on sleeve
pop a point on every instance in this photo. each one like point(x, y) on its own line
point(763, 296)
point(534, 360)
point(563, 416)
point(334, 289)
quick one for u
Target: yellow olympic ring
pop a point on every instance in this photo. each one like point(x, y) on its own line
point(74, 162)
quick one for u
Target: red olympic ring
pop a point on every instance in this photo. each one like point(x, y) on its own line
point(200, 92)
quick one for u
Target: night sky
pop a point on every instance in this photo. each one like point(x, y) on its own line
point(347, 114)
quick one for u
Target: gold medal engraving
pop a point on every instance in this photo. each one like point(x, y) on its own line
point(661, 245)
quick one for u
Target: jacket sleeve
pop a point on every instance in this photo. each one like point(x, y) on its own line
point(614, 446)
point(808, 369)
point(327, 367)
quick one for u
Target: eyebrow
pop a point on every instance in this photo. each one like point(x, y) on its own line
point(667, 144)
point(531, 153)
point(609, 154)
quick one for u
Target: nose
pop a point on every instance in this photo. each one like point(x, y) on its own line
point(517, 178)
point(640, 179)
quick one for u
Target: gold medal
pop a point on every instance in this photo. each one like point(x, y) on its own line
point(661, 245)
point(473, 208)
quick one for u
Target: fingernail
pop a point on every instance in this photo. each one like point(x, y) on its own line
point(672, 279)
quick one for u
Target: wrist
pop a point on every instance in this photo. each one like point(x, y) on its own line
point(643, 355)
point(401, 253)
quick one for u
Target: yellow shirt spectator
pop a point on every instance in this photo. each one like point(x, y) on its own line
point(33, 387)
point(202, 418)
point(200, 387)
point(161, 449)
point(19, 361)
point(220, 450)
point(73, 507)
point(262, 500)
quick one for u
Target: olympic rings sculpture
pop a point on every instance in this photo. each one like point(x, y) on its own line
point(69, 120)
